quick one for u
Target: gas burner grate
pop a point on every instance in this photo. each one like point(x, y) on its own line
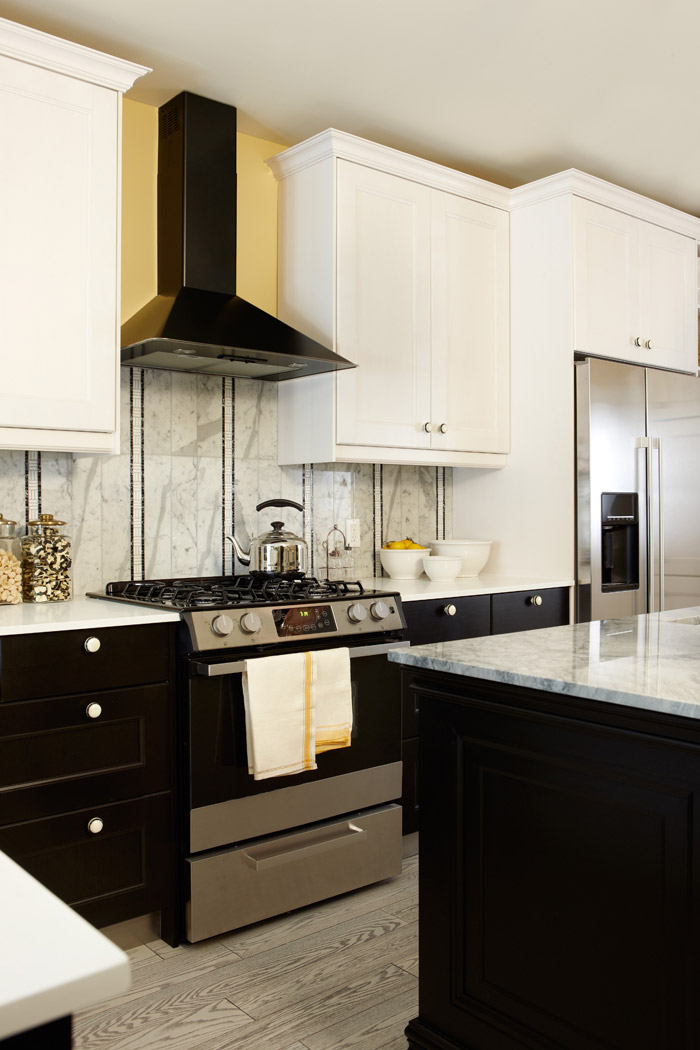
point(222, 591)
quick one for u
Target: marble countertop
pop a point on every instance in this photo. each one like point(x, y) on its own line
point(52, 962)
point(423, 588)
point(75, 615)
point(650, 661)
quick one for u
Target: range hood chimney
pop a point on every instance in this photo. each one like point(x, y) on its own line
point(197, 323)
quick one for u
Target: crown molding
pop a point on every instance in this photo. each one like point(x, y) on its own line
point(578, 184)
point(51, 52)
point(340, 145)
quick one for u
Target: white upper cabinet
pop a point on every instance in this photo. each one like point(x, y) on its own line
point(60, 126)
point(400, 266)
point(635, 288)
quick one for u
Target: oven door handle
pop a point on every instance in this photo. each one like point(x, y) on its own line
point(262, 857)
point(238, 666)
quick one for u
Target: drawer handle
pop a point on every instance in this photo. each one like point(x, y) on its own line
point(92, 644)
point(261, 857)
point(95, 825)
point(93, 710)
point(450, 610)
point(536, 599)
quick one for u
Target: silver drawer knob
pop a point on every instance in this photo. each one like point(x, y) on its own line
point(95, 825)
point(93, 710)
point(443, 428)
point(92, 644)
point(450, 610)
point(427, 427)
point(536, 599)
point(638, 341)
point(649, 344)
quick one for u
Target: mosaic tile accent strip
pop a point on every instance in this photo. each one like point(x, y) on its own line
point(228, 459)
point(440, 503)
point(307, 502)
point(377, 514)
point(136, 475)
point(32, 484)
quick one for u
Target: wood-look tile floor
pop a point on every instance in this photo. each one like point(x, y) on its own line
point(341, 974)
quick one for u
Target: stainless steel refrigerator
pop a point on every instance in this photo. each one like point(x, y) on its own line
point(638, 490)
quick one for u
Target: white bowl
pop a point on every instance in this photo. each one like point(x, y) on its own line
point(403, 565)
point(439, 567)
point(474, 553)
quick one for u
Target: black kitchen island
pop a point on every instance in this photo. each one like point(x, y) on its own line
point(559, 838)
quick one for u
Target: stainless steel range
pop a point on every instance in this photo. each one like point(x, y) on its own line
point(256, 848)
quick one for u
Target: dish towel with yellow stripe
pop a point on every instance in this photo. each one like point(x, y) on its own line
point(296, 706)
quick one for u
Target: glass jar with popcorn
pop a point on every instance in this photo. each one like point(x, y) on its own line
point(46, 561)
point(10, 563)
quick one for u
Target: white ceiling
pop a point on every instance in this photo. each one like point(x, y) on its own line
point(511, 90)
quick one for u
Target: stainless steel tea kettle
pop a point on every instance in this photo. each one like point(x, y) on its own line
point(276, 553)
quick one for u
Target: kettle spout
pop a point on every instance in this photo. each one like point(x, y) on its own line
point(243, 556)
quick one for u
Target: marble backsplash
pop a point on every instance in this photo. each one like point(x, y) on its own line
point(198, 453)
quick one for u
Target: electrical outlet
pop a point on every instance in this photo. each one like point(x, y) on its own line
point(352, 531)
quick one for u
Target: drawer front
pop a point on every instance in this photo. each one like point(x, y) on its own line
point(518, 612)
point(54, 756)
point(58, 662)
point(428, 621)
point(123, 871)
point(234, 887)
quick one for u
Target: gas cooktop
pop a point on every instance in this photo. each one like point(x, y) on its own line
point(222, 612)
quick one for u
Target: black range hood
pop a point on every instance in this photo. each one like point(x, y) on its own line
point(197, 323)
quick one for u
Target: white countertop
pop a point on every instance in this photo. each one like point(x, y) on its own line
point(422, 588)
point(52, 962)
point(78, 614)
point(650, 661)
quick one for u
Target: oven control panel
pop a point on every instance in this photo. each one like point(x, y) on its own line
point(267, 625)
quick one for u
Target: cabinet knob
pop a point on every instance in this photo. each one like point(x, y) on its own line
point(95, 825)
point(638, 341)
point(93, 710)
point(450, 610)
point(443, 428)
point(536, 599)
point(649, 344)
point(427, 427)
point(92, 644)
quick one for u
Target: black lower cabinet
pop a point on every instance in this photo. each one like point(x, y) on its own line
point(86, 768)
point(559, 873)
point(450, 619)
point(56, 1035)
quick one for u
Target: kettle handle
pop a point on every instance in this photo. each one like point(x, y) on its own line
point(280, 503)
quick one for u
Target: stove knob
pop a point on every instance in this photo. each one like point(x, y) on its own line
point(357, 613)
point(379, 610)
point(222, 625)
point(250, 623)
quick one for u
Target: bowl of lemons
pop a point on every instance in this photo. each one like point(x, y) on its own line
point(403, 559)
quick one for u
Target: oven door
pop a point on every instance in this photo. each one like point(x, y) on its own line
point(226, 805)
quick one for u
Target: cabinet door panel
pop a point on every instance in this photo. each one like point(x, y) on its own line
point(668, 297)
point(58, 251)
point(383, 308)
point(470, 311)
point(606, 269)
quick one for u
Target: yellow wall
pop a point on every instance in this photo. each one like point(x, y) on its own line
point(257, 214)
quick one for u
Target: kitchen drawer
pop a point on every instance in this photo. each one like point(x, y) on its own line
point(57, 663)
point(234, 887)
point(428, 622)
point(124, 871)
point(54, 756)
point(518, 612)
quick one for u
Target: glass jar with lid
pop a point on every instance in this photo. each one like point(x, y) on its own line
point(46, 561)
point(10, 563)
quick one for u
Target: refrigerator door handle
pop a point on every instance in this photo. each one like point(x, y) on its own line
point(646, 444)
point(656, 444)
